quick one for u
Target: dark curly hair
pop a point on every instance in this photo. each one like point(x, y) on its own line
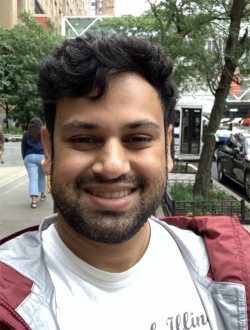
point(84, 65)
point(34, 129)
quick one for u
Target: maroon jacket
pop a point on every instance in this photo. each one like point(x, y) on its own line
point(227, 244)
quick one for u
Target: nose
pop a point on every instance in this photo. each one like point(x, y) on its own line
point(111, 161)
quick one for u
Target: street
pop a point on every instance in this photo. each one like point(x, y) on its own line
point(231, 185)
point(15, 210)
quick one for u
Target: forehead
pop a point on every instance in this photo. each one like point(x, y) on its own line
point(129, 97)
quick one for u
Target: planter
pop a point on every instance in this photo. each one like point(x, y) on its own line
point(230, 206)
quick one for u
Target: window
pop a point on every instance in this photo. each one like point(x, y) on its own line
point(240, 140)
point(231, 143)
point(38, 8)
point(216, 45)
point(55, 8)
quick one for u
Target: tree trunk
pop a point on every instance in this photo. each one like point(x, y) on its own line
point(7, 114)
point(203, 175)
point(233, 52)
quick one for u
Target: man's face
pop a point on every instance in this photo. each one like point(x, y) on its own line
point(109, 166)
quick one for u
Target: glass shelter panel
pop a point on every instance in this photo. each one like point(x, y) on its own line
point(73, 26)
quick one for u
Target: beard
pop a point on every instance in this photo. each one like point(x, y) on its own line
point(111, 227)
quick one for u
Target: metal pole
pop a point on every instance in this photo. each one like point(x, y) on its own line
point(173, 208)
point(242, 203)
point(26, 6)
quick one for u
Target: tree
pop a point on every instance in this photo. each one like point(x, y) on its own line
point(182, 28)
point(22, 49)
point(237, 45)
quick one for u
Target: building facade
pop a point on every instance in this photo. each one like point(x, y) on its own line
point(102, 7)
point(53, 9)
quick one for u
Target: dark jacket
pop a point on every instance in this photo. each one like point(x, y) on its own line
point(30, 147)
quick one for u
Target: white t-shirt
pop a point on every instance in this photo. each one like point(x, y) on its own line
point(156, 294)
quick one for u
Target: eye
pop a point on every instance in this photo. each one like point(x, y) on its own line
point(83, 139)
point(138, 141)
point(84, 142)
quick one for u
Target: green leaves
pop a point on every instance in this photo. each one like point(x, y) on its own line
point(194, 35)
point(22, 49)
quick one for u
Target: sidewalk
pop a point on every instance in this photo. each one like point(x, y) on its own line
point(9, 174)
point(15, 202)
point(13, 167)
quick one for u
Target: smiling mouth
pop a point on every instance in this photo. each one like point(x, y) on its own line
point(111, 195)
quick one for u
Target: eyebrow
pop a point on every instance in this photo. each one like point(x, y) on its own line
point(143, 124)
point(92, 126)
point(79, 124)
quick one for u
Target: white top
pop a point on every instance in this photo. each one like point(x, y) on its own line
point(157, 293)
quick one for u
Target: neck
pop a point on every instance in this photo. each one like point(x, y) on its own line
point(112, 258)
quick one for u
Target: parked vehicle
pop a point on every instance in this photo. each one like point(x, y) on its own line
point(245, 122)
point(222, 134)
point(233, 160)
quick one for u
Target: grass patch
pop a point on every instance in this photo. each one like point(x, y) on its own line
point(181, 191)
point(188, 204)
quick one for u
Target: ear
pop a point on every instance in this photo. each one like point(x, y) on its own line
point(47, 150)
point(169, 141)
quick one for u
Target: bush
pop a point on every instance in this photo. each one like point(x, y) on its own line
point(184, 192)
point(13, 130)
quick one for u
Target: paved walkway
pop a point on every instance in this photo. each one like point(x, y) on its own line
point(13, 167)
point(15, 209)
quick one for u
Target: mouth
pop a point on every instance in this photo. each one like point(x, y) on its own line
point(111, 195)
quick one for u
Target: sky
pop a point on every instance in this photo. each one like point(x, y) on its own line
point(133, 7)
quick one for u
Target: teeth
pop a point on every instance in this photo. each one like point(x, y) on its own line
point(115, 194)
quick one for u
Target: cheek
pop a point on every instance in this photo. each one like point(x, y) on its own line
point(65, 167)
point(152, 167)
point(72, 164)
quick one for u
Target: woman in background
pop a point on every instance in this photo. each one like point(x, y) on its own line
point(32, 152)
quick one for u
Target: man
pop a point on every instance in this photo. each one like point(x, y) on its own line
point(102, 262)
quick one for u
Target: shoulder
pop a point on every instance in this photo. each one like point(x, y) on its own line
point(225, 240)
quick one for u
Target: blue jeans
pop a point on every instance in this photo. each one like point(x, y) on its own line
point(33, 165)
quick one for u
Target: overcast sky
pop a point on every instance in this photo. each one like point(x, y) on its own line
point(133, 7)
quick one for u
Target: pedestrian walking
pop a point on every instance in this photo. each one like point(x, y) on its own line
point(32, 153)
